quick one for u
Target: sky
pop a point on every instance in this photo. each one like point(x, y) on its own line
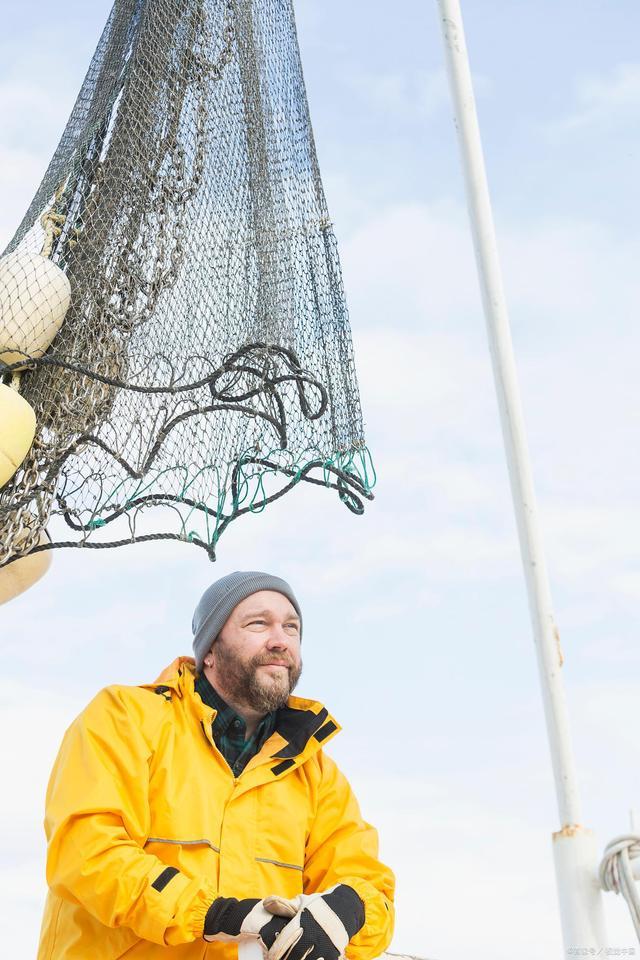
point(417, 632)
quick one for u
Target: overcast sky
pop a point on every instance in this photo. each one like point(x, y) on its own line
point(417, 633)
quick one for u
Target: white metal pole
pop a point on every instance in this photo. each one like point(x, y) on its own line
point(574, 853)
point(250, 950)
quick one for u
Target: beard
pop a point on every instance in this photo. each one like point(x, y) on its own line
point(245, 684)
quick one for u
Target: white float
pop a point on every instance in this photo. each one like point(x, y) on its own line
point(34, 298)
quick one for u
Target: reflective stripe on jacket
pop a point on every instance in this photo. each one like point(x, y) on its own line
point(146, 825)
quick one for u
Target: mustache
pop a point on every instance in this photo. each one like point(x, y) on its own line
point(264, 659)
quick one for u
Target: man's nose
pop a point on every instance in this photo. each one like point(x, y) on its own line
point(277, 639)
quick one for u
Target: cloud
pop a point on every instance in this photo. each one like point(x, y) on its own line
point(566, 277)
point(607, 99)
point(38, 88)
point(406, 97)
point(402, 96)
point(33, 720)
point(428, 393)
point(21, 174)
point(452, 842)
point(411, 266)
point(455, 857)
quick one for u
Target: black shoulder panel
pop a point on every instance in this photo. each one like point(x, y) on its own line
point(297, 727)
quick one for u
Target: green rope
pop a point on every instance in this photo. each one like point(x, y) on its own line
point(250, 488)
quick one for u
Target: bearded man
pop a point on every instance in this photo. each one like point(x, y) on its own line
point(191, 814)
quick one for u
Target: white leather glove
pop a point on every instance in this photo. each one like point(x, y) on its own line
point(323, 924)
point(230, 920)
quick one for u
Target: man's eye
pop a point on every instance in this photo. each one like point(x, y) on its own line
point(261, 622)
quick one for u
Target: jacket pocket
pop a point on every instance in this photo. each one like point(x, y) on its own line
point(279, 863)
point(280, 877)
point(193, 855)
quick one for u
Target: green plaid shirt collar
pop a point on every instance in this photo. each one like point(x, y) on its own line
point(229, 730)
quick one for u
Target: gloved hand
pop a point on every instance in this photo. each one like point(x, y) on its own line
point(230, 919)
point(322, 927)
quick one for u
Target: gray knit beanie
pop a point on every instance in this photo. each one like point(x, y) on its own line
point(222, 597)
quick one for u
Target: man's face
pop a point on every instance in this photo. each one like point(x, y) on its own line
point(256, 659)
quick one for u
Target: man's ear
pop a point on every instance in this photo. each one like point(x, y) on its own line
point(208, 660)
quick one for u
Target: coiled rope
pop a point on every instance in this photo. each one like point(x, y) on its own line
point(616, 873)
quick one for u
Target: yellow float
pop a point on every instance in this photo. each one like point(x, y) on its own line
point(17, 430)
point(19, 575)
point(34, 298)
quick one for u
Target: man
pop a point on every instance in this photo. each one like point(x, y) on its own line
point(190, 814)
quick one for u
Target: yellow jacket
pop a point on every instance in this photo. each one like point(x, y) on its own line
point(139, 786)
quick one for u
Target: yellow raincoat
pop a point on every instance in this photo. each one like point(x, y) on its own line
point(146, 826)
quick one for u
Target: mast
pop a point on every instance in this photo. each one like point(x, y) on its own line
point(579, 892)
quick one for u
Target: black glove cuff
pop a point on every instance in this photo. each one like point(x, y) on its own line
point(226, 915)
point(346, 903)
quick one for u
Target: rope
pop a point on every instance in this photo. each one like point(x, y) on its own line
point(52, 223)
point(616, 873)
point(402, 956)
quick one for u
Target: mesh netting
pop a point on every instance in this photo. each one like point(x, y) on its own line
point(204, 364)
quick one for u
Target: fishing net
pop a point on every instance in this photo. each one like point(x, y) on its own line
point(204, 365)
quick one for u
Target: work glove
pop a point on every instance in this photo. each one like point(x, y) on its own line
point(323, 924)
point(231, 920)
